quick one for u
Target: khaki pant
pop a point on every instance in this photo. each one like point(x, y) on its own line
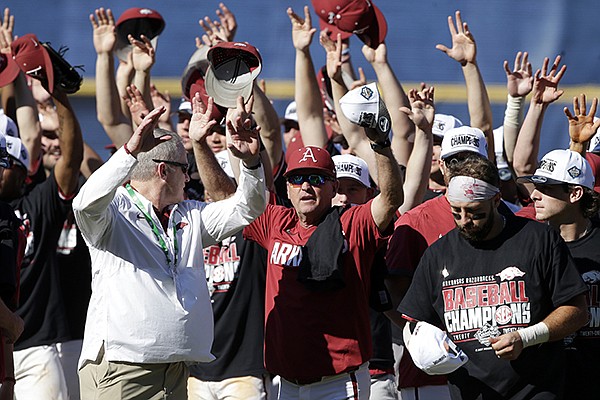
point(106, 380)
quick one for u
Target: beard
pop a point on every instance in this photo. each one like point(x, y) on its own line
point(478, 233)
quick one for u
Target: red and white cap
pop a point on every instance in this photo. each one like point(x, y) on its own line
point(137, 21)
point(233, 66)
point(359, 17)
point(310, 158)
point(8, 69)
point(33, 59)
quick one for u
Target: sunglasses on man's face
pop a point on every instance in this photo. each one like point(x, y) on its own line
point(312, 179)
point(184, 167)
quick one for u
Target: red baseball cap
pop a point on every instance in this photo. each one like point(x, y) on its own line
point(198, 87)
point(137, 21)
point(194, 70)
point(33, 59)
point(8, 69)
point(359, 17)
point(233, 68)
point(310, 157)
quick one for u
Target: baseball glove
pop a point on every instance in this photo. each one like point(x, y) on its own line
point(66, 77)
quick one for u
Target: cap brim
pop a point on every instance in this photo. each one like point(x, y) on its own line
point(49, 69)
point(377, 32)
point(223, 93)
point(323, 170)
point(540, 180)
point(10, 71)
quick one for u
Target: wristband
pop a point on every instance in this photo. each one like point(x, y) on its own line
point(535, 334)
point(9, 379)
point(258, 164)
point(514, 111)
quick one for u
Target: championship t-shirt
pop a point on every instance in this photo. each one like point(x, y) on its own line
point(310, 334)
point(475, 291)
point(583, 347)
point(235, 275)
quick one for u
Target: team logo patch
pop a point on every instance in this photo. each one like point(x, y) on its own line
point(574, 172)
point(510, 273)
point(384, 124)
point(308, 154)
point(539, 179)
point(591, 276)
point(366, 92)
point(441, 125)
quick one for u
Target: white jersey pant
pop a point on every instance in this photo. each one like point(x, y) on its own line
point(384, 388)
point(238, 388)
point(39, 374)
point(434, 392)
point(354, 385)
point(69, 352)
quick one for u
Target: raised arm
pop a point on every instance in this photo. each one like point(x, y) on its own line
point(108, 105)
point(581, 125)
point(519, 83)
point(354, 134)
point(395, 98)
point(143, 57)
point(464, 51)
point(270, 131)
point(308, 98)
point(67, 167)
point(422, 114)
point(545, 91)
point(214, 179)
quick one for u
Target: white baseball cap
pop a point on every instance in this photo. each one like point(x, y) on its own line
point(442, 123)
point(426, 345)
point(17, 150)
point(365, 107)
point(595, 143)
point(223, 159)
point(463, 138)
point(560, 167)
point(3, 152)
point(290, 112)
point(7, 125)
point(185, 106)
point(349, 166)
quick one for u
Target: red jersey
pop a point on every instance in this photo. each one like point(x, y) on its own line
point(310, 334)
point(414, 232)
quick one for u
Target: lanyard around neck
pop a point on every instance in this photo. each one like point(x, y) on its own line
point(159, 237)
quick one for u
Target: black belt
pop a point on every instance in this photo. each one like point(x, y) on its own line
point(309, 381)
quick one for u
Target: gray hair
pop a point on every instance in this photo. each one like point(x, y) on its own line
point(170, 150)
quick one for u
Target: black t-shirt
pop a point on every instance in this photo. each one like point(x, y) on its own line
point(43, 213)
point(236, 276)
point(9, 246)
point(474, 291)
point(583, 347)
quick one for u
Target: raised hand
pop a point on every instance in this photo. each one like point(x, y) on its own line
point(105, 36)
point(228, 24)
point(361, 81)
point(422, 111)
point(143, 138)
point(161, 100)
point(463, 48)
point(143, 54)
point(375, 56)
point(214, 32)
point(6, 32)
point(136, 104)
point(519, 81)
point(302, 30)
point(545, 84)
point(201, 122)
point(581, 125)
point(242, 138)
point(334, 55)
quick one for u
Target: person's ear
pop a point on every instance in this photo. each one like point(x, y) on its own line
point(576, 194)
point(161, 171)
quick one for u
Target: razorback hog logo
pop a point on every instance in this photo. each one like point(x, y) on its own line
point(510, 273)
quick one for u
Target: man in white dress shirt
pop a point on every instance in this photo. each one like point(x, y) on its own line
point(150, 310)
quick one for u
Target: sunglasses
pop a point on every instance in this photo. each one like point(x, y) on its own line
point(312, 179)
point(184, 167)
